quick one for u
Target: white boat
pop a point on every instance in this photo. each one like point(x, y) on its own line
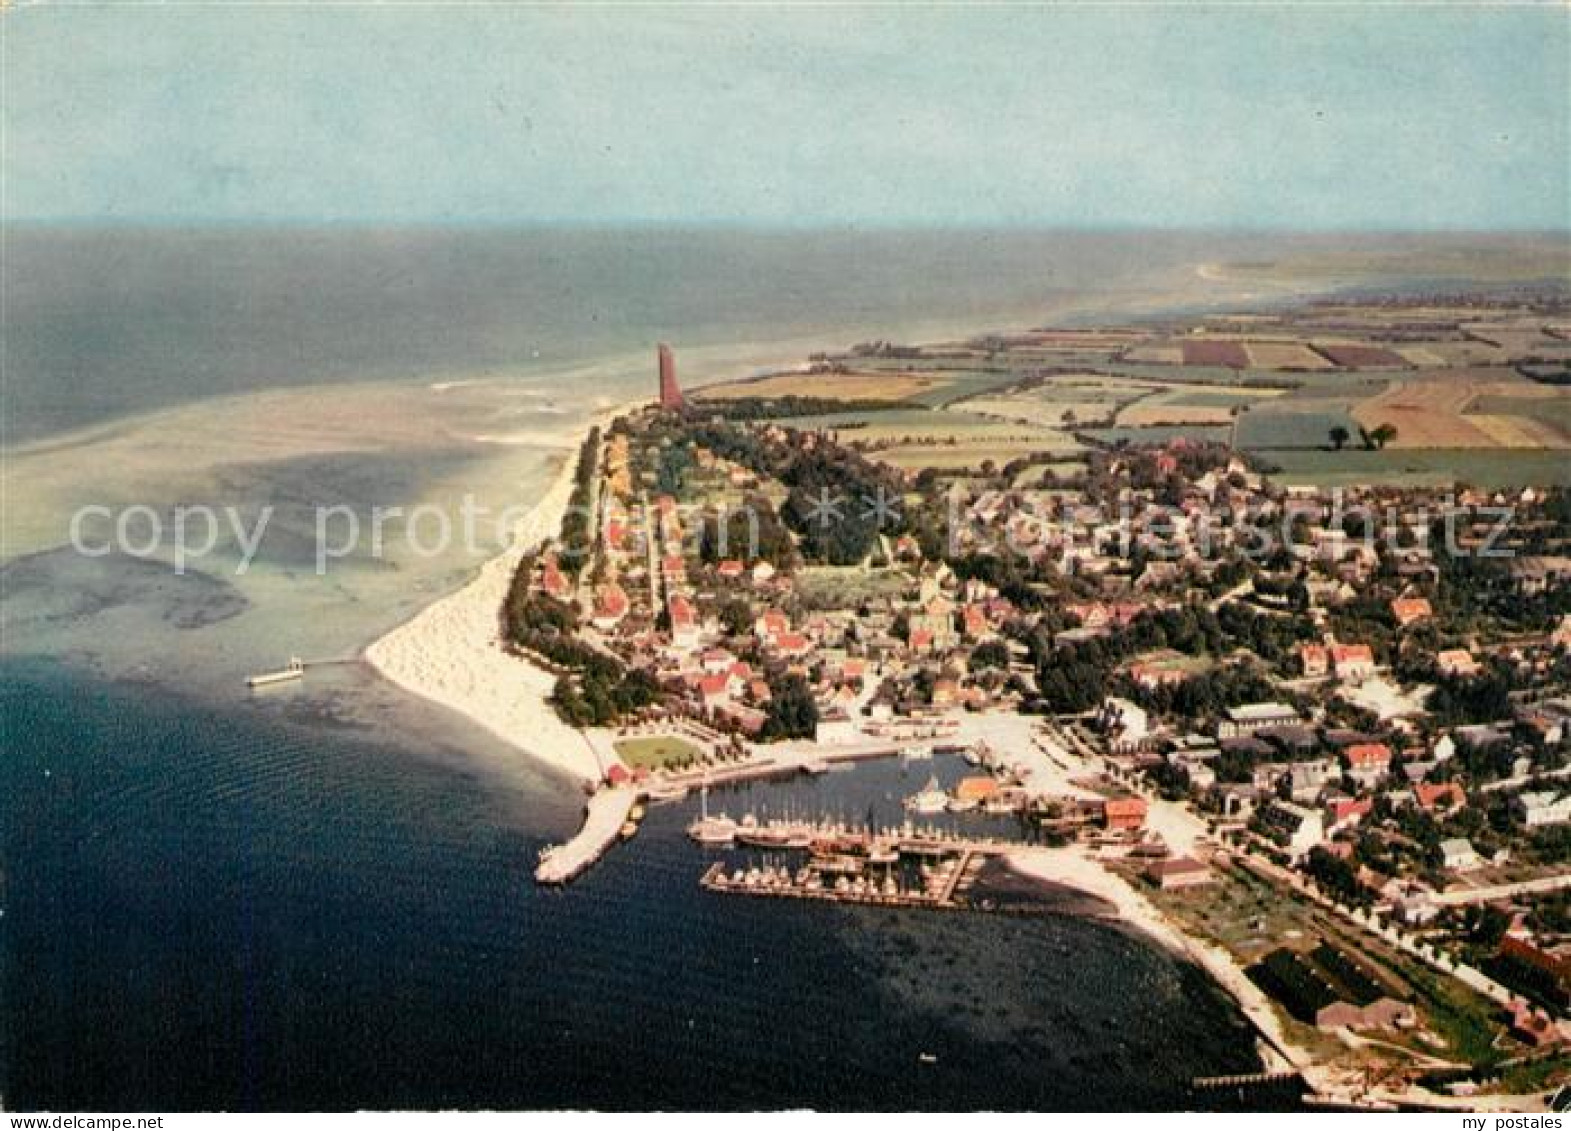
point(295, 670)
point(882, 853)
point(961, 804)
point(917, 753)
point(932, 799)
point(712, 830)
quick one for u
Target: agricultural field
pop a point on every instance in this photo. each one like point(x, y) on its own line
point(1039, 474)
point(1191, 405)
point(1293, 423)
point(1357, 355)
point(1443, 413)
point(947, 439)
point(1216, 353)
point(1163, 434)
point(1554, 411)
point(1453, 354)
point(1084, 398)
point(962, 384)
point(1284, 355)
point(1524, 339)
point(1153, 413)
point(1166, 354)
point(1479, 467)
point(1441, 372)
point(893, 386)
point(1152, 374)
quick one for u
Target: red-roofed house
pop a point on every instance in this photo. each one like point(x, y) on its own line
point(1314, 658)
point(792, 644)
point(1124, 813)
point(1179, 872)
point(1368, 762)
point(1456, 661)
point(553, 581)
point(1352, 662)
point(611, 605)
point(1447, 796)
point(1342, 812)
point(730, 569)
point(684, 622)
point(1411, 610)
point(770, 624)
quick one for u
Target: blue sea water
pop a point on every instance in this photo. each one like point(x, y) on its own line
point(217, 908)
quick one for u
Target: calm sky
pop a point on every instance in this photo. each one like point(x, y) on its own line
point(1262, 116)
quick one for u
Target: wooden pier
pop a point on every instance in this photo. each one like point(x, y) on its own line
point(944, 888)
point(1243, 1080)
point(715, 879)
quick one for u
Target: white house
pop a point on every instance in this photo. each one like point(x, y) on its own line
point(1543, 808)
point(1458, 854)
point(1296, 828)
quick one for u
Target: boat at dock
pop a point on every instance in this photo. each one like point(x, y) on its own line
point(712, 830)
point(295, 670)
point(932, 799)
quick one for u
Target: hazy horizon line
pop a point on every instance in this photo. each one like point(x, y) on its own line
point(98, 223)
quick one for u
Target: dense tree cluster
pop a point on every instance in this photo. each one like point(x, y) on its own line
point(594, 688)
point(1077, 676)
point(1482, 698)
point(778, 408)
point(577, 524)
point(1336, 876)
point(793, 712)
point(749, 532)
point(839, 502)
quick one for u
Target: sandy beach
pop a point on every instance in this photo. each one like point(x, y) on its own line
point(451, 651)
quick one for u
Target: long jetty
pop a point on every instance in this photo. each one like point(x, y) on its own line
point(608, 811)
